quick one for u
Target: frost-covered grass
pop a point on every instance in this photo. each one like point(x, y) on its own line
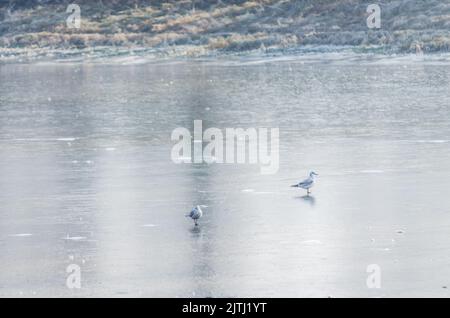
point(222, 27)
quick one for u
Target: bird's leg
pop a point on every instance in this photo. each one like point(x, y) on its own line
point(195, 222)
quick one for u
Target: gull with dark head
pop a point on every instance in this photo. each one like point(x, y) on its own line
point(307, 184)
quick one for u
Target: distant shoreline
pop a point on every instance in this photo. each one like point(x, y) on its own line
point(205, 29)
point(140, 55)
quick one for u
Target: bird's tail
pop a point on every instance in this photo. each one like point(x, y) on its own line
point(294, 186)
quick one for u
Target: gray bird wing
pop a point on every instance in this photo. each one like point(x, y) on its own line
point(305, 183)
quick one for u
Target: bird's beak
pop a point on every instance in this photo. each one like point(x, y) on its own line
point(203, 206)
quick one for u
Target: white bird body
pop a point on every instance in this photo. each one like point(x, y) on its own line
point(195, 214)
point(308, 183)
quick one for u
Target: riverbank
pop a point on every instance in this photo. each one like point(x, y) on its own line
point(220, 28)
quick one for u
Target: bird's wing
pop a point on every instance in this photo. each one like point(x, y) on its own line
point(192, 213)
point(196, 214)
point(305, 183)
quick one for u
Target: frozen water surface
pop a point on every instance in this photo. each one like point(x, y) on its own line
point(87, 179)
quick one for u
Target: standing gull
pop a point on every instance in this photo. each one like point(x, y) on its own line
point(307, 183)
point(195, 214)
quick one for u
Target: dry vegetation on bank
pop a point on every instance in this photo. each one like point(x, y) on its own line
point(205, 27)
